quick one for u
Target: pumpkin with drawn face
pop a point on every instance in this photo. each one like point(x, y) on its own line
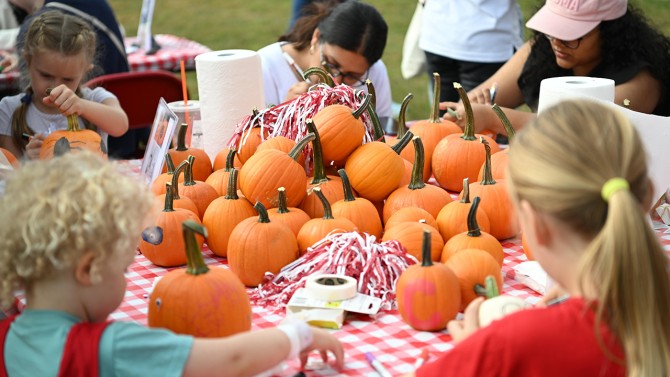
point(71, 140)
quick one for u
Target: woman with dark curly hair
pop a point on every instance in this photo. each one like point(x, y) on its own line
point(596, 38)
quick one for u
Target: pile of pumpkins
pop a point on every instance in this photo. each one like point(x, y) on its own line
point(262, 209)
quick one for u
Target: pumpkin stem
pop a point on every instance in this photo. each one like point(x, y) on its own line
point(188, 173)
point(181, 137)
point(491, 287)
point(469, 130)
point(363, 107)
point(435, 109)
point(231, 192)
point(480, 290)
point(323, 75)
point(473, 226)
point(327, 212)
point(282, 206)
point(466, 191)
point(300, 145)
point(402, 143)
point(175, 179)
point(230, 159)
point(169, 164)
point(169, 199)
point(487, 177)
point(509, 130)
point(402, 125)
point(73, 122)
point(426, 256)
point(416, 182)
point(376, 124)
point(262, 213)
point(317, 154)
point(346, 185)
point(195, 264)
point(372, 92)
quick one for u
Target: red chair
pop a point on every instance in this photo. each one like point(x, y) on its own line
point(139, 94)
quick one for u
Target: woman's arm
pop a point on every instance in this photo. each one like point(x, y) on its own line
point(643, 91)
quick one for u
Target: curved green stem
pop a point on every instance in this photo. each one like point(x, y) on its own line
point(231, 191)
point(363, 107)
point(169, 199)
point(230, 159)
point(169, 163)
point(195, 264)
point(372, 92)
point(416, 182)
point(435, 109)
point(491, 287)
point(376, 125)
point(487, 177)
point(402, 143)
point(317, 155)
point(402, 125)
point(473, 226)
point(469, 130)
point(262, 213)
point(327, 211)
point(465, 198)
point(323, 75)
point(294, 153)
point(282, 206)
point(507, 125)
point(175, 179)
point(426, 256)
point(346, 185)
point(188, 173)
point(181, 137)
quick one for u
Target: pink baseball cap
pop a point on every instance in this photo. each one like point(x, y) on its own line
point(572, 19)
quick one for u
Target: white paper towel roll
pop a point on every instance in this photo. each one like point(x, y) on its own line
point(230, 85)
point(557, 89)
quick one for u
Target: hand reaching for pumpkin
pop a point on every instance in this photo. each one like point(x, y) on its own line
point(461, 329)
point(63, 98)
point(34, 145)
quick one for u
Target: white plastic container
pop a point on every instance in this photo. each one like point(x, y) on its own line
point(194, 133)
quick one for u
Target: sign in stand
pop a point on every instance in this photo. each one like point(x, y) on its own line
point(158, 144)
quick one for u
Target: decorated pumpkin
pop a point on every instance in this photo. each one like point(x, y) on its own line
point(71, 140)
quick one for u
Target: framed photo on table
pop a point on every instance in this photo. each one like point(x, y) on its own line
point(162, 132)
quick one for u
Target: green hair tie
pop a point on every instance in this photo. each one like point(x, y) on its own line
point(611, 186)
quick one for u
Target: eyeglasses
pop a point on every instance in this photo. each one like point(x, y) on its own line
point(573, 44)
point(350, 79)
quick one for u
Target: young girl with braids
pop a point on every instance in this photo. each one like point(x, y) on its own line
point(59, 50)
point(578, 175)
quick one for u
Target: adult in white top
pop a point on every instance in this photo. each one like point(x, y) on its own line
point(468, 40)
point(347, 39)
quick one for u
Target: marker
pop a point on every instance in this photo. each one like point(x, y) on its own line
point(377, 365)
point(453, 113)
point(492, 92)
point(422, 358)
point(26, 137)
point(558, 300)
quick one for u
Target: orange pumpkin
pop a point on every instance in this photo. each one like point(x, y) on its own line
point(360, 211)
point(72, 139)
point(411, 214)
point(434, 129)
point(410, 235)
point(341, 130)
point(316, 229)
point(10, 157)
point(417, 193)
point(158, 185)
point(200, 192)
point(221, 159)
point(219, 178)
point(375, 169)
point(197, 300)
point(294, 217)
point(250, 140)
point(472, 266)
point(268, 170)
point(257, 246)
point(202, 166)
point(331, 186)
point(460, 156)
point(177, 200)
point(281, 143)
point(453, 218)
point(223, 214)
point(473, 238)
point(496, 202)
point(428, 295)
point(161, 243)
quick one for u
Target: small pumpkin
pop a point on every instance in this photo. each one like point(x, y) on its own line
point(161, 243)
point(200, 192)
point(219, 178)
point(294, 217)
point(316, 229)
point(359, 210)
point(177, 200)
point(281, 143)
point(257, 246)
point(341, 129)
point(496, 306)
point(221, 159)
point(453, 218)
point(428, 295)
point(72, 139)
point(410, 235)
point(473, 238)
point(472, 266)
point(223, 214)
point(417, 193)
point(202, 167)
point(411, 214)
point(198, 300)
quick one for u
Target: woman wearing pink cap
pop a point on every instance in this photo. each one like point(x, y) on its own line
point(596, 38)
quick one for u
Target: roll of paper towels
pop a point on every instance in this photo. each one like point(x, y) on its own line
point(557, 89)
point(230, 86)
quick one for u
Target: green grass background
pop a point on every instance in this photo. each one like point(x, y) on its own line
point(252, 24)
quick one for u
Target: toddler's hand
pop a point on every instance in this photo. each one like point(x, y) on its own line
point(324, 342)
point(34, 145)
point(461, 329)
point(62, 97)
